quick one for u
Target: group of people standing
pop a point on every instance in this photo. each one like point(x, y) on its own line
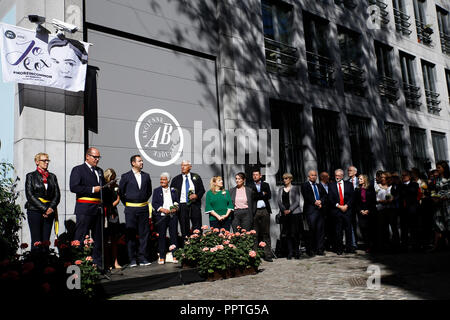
point(328, 210)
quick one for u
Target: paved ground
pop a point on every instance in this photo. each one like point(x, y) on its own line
point(407, 276)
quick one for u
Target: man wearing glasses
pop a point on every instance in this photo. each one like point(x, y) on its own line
point(86, 181)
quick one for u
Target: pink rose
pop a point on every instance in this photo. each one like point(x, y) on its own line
point(252, 254)
point(205, 249)
point(232, 246)
point(237, 234)
point(220, 247)
point(78, 262)
point(194, 236)
point(226, 242)
point(243, 230)
point(262, 244)
point(89, 258)
point(252, 232)
point(87, 237)
point(222, 230)
point(204, 227)
point(37, 244)
point(172, 247)
point(196, 231)
point(221, 235)
point(75, 243)
point(213, 249)
point(216, 230)
point(91, 241)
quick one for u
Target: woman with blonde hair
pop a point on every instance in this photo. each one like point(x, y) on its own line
point(365, 204)
point(110, 200)
point(43, 196)
point(218, 204)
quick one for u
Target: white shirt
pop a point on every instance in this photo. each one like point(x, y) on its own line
point(183, 187)
point(354, 181)
point(96, 173)
point(167, 200)
point(138, 177)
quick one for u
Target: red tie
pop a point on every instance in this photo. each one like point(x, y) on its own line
point(341, 196)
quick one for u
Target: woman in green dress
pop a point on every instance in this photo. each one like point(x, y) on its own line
point(218, 204)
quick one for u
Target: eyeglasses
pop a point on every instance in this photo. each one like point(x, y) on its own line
point(46, 160)
point(95, 157)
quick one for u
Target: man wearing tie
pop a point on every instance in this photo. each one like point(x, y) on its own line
point(340, 200)
point(86, 181)
point(191, 190)
point(135, 189)
point(329, 223)
point(315, 200)
point(352, 177)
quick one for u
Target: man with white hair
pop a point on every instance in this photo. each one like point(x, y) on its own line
point(340, 194)
point(190, 187)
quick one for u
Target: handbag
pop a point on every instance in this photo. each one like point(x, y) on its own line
point(278, 218)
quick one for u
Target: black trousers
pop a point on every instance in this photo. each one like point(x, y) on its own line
point(82, 227)
point(316, 223)
point(343, 224)
point(137, 223)
point(261, 224)
point(410, 225)
point(188, 214)
point(40, 228)
point(162, 223)
point(242, 218)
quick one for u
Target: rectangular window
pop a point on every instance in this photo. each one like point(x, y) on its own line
point(395, 157)
point(328, 147)
point(411, 90)
point(424, 30)
point(350, 50)
point(402, 20)
point(359, 133)
point(320, 66)
point(287, 118)
point(387, 86)
point(281, 57)
point(419, 147)
point(429, 83)
point(447, 76)
point(444, 29)
point(439, 146)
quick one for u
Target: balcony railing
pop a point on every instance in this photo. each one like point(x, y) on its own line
point(432, 101)
point(424, 33)
point(412, 95)
point(387, 88)
point(280, 58)
point(401, 22)
point(320, 69)
point(445, 42)
point(354, 79)
point(384, 14)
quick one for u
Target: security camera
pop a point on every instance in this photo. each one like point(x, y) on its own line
point(34, 18)
point(64, 26)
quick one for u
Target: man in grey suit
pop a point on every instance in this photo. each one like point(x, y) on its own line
point(242, 197)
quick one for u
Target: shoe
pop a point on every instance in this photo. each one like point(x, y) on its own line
point(144, 263)
point(339, 252)
point(321, 253)
point(132, 264)
point(350, 250)
point(160, 261)
point(289, 257)
point(174, 260)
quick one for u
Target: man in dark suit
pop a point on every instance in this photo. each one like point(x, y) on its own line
point(409, 217)
point(340, 195)
point(324, 178)
point(191, 190)
point(135, 189)
point(314, 204)
point(86, 181)
point(261, 220)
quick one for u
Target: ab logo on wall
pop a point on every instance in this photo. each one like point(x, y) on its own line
point(159, 137)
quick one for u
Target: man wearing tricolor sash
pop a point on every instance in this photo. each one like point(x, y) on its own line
point(135, 189)
point(86, 181)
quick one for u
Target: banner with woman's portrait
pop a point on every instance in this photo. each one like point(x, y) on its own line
point(49, 60)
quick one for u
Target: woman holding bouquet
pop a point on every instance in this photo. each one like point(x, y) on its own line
point(43, 196)
point(387, 212)
point(218, 204)
point(441, 200)
point(165, 202)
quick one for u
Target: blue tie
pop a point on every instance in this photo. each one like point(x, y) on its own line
point(187, 188)
point(316, 192)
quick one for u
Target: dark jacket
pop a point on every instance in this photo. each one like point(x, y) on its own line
point(249, 193)
point(333, 195)
point(82, 180)
point(408, 195)
point(35, 189)
point(129, 190)
point(158, 199)
point(264, 195)
point(371, 200)
point(309, 198)
point(177, 183)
